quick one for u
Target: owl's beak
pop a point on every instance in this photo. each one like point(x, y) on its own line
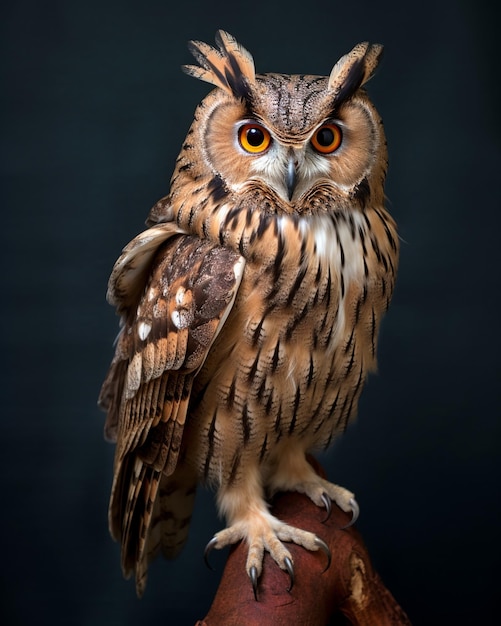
point(291, 178)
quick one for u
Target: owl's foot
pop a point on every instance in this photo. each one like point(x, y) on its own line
point(322, 493)
point(355, 510)
point(263, 532)
point(294, 473)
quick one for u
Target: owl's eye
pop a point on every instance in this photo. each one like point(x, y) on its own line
point(254, 138)
point(327, 138)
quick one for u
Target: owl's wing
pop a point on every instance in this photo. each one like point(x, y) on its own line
point(174, 292)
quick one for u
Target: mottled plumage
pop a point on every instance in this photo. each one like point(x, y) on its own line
point(250, 307)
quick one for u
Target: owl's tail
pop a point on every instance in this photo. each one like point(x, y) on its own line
point(156, 517)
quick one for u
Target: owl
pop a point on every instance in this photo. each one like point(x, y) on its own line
point(250, 308)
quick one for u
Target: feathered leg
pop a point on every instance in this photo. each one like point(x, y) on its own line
point(248, 519)
point(292, 472)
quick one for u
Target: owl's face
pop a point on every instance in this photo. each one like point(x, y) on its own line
point(298, 140)
point(291, 142)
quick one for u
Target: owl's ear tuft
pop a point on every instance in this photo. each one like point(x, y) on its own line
point(231, 67)
point(353, 70)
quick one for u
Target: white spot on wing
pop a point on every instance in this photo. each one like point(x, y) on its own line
point(180, 295)
point(238, 268)
point(181, 318)
point(152, 292)
point(176, 319)
point(143, 330)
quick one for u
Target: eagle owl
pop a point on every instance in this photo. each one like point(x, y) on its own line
point(249, 308)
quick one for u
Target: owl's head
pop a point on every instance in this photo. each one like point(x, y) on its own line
point(304, 143)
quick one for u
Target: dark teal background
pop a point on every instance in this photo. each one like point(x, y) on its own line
point(94, 110)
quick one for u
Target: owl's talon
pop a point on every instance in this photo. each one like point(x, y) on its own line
point(253, 579)
point(323, 546)
point(328, 506)
point(290, 571)
point(208, 549)
point(355, 509)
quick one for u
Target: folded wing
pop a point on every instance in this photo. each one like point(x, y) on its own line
point(174, 293)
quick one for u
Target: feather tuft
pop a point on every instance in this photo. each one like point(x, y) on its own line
point(353, 70)
point(230, 68)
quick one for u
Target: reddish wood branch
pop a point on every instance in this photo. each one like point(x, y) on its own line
point(349, 592)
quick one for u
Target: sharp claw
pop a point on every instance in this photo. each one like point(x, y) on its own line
point(323, 546)
point(208, 549)
point(355, 509)
point(290, 571)
point(328, 506)
point(253, 577)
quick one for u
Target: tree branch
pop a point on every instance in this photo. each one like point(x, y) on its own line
point(349, 592)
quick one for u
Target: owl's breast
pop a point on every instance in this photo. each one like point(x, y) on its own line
point(292, 356)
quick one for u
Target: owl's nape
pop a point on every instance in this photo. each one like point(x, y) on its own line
point(250, 309)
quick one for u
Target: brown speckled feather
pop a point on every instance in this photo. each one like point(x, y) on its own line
point(166, 334)
point(250, 306)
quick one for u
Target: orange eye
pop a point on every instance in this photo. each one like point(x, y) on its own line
point(254, 138)
point(327, 138)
